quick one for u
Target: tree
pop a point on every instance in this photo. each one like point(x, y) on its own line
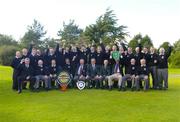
point(165, 45)
point(34, 34)
point(51, 42)
point(175, 56)
point(7, 53)
point(139, 39)
point(135, 41)
point(7, 40)
point(106, 28)
point(146, 41)
point(70, 32)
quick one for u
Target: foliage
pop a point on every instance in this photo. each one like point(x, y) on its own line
point(106, 29)
point(7, 54)
point(139, 39)
point(70, 32)
point(34, 34)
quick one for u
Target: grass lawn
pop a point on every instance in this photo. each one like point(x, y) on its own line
point(89, 105)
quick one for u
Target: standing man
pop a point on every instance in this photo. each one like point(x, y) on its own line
point(153, 67)
point(16, 61)
point(127, 61)
point(163, 67)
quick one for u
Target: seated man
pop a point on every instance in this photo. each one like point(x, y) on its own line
point(41, 74)
point(131, 72)
point(142, 75)
point(105, 72)
point(80, 74)
point(53, 71)
point(116, 75)
point(26, 74)
point(93, 75)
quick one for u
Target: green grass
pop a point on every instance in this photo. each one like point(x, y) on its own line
point(89, 105)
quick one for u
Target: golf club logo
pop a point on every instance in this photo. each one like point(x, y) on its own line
point(81, 85)
point(63, 79)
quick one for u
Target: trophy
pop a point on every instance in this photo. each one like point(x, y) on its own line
point(63, 79)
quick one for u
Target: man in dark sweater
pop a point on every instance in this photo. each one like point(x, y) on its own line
point(131, 73)
point(41, 74)
point(142, 75)
point(127, 62)
point(105, 72)
point(16, 61)
point(163, 67)
point(153, 67)
point(26, 74)
point(53, 71)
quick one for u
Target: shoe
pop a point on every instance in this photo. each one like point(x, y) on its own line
point(137, 89)
point(47, 89)
point(19, 91)
point(123, 89)
point(24, 88)
point(132, 89)
point(110, 88)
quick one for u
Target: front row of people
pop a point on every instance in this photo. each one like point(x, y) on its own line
point(95, 76)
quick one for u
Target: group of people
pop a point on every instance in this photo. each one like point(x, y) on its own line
point(99, 66)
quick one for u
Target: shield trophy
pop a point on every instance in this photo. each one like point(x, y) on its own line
point(81, 85)
point(63, 80)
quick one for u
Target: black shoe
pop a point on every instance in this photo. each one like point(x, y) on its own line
point(123, 89)
point(164, 88)
point(110, 88)
point(19, 91)
point(47, 89)
point(132, 89)
point(24, 88)
point(137, 89)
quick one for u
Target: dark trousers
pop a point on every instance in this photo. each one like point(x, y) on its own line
point(15, 80)
point(129, 81)
point(22, 79)
point(94, 82)
point(163, 77)
point(153, 71)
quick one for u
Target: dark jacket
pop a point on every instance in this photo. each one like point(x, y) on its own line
point(93, 72)
point(82, 72)
point(105, 71)
point(163, 59)
point(143, 70)
point(25, 71)
point(41, 70)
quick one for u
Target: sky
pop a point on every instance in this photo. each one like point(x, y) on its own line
point(160, 19)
